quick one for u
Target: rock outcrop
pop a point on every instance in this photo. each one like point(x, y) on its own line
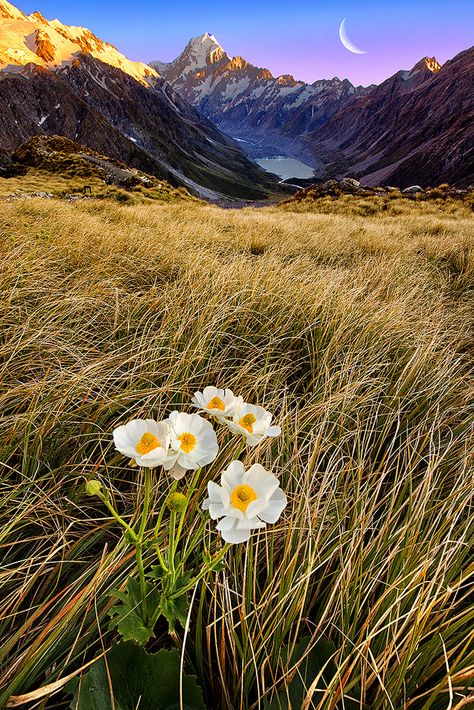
point(351, 186)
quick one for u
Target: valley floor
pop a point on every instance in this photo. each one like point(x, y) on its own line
point(354, 326)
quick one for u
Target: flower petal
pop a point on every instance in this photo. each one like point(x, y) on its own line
point(226, 524)
point(259, 478)
point(177, 472)
point(247, 524)
point(216, 510)
point(233, 475)
point(276, 505)
point(170, 461)
point(274, 431)
point(256, 507)
point(234, 536)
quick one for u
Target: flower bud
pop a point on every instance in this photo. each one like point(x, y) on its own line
point(93, 487)
point(176, 502)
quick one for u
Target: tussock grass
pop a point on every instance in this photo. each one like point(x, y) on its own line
point(389, 204)
point(62, 185)
point(357, 333)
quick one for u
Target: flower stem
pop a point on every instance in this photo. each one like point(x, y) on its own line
point(206, 570)
point(240, 449)
point(141, 576)
point(171, 545)
point(146, 503)
point(188, 498)
point(139, 543)
point(161, 560)
point(117, 517)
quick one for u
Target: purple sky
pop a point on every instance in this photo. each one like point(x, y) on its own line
point(288, 38)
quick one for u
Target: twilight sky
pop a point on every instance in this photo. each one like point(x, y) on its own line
point(286, 37)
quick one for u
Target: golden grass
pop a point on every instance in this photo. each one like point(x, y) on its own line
point(61, 185)
point(356, 331)
point(393, 204)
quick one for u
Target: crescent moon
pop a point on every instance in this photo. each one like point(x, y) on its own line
point(346, 41)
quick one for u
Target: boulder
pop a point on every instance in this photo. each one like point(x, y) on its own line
point(413, 190)
point(350, 181)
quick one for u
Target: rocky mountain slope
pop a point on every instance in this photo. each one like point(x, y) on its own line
point(417, 126)
point(267, 114)
point(59, 80)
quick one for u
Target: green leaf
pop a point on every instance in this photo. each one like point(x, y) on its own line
point(157, 572)
point(135, 679)
point(317, 663)
point(219, 567)
point(127, 614)
point(174, 610)
point(182, 581)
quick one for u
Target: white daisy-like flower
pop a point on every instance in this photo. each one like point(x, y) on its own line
point(193, 443)
point(144, 441)
point(245, 501)
point(253, 423)
point(219, 403)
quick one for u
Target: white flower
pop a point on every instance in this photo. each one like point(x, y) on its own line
point(193, 443)
point(244, 501)
point(143, 440)
point(219, 403)
point(254, 423)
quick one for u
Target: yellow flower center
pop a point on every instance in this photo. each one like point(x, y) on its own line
point(188, 442)
point(242, 496)
point(247, 422)
point(147, 443)
point(216, 403)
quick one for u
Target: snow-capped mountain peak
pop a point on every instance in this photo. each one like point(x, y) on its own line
point(205, 50)
point(208, 37)
point(34, 39)
point(199, 54)
point(204, 45)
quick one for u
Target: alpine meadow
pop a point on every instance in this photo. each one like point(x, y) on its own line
point(356, 332)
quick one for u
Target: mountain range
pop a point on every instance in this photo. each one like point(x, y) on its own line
point(56, 79)
point(200, 120)
point(417, 126)
point(266, 113)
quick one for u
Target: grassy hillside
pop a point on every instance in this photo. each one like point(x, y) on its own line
point(355, 331)
point(62, 168)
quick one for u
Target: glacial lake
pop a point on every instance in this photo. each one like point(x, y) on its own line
point(286, 167)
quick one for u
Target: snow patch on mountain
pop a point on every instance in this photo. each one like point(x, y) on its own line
point(235, 88)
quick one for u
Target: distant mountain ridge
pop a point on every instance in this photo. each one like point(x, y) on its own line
point(417, 126)
point(60, 80)
point(171, 119)
point(248, 102)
